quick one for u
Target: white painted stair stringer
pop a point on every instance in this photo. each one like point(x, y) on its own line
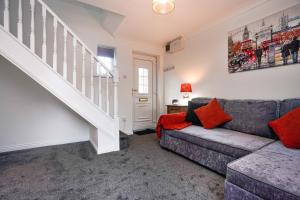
point(104, 131)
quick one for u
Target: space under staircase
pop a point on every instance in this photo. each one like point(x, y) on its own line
point(39, 43)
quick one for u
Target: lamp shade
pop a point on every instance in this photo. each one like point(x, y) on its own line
point(186, 87)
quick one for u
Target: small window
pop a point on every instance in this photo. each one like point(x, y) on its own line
point(143, 81)
point(107, 56)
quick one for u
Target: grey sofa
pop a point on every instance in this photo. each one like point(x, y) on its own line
point(256, 164)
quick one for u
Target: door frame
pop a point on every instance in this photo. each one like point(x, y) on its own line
point(155, 60)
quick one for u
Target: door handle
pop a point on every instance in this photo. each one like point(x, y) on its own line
point(143, 99)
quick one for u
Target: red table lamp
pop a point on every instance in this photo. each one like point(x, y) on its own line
point(186, 89)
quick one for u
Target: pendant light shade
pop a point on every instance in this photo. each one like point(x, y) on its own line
point(163, 6)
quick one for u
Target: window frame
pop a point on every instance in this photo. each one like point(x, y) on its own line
point(104, 59)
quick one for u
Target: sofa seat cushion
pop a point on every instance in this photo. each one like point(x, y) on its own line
point(272, 172)
point(228, 142)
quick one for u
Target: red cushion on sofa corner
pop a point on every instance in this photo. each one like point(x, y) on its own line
point(287, 128)
point(212, 115)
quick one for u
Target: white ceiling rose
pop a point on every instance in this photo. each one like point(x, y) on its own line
point(163, 6)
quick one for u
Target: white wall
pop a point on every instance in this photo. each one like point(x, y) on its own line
point(203, 63)
point(84, 21)
point(31, 117)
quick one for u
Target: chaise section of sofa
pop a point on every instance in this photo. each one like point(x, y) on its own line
point(212, 148)
point(234, 192)
point(272, 172)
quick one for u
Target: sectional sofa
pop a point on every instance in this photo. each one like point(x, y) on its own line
point(256, 164)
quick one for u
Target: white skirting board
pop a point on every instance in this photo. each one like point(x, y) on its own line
point(17, 147)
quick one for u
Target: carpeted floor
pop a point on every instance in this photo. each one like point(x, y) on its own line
point(70, 172)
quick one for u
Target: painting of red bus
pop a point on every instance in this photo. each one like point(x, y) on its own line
point(270, 42)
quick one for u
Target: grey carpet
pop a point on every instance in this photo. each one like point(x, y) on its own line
point(73, 171)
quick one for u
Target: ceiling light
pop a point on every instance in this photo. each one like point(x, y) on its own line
point(163, 6)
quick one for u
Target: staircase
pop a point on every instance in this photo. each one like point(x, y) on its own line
point(54, 56)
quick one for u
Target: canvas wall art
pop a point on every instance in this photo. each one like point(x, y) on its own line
point(270, 42)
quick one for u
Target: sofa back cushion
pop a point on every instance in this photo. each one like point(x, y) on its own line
point(288, 105)
point(287, 128)
point(212, 115)
point(252, 116)
point(205, 100)
point(191, 115)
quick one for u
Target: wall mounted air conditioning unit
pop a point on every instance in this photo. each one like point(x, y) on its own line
point(175, 45)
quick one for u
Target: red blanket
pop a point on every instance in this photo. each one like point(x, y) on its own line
point(171, 122)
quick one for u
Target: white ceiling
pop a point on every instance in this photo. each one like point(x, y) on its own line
point(141, 23)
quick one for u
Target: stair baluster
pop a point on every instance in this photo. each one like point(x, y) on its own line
point(6, 15)
point(92, 77)
point(107, 93)
point(55, 44)
point(74, 62)
point(65, 67)
point(83, 71)
point(20, 21)
point(99, 85)
point(32, 34)
point(44, 45)
point(115, 85)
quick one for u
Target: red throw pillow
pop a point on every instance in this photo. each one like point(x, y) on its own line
point(212, 115)
point(287, 128)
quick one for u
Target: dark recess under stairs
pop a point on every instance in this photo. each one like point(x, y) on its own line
point(124, 141)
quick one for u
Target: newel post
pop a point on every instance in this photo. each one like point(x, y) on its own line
point(115, 84)
point(116, 81)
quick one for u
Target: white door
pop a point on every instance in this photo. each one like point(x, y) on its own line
point(142, 92)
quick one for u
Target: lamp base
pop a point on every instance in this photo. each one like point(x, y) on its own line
point(186, 95)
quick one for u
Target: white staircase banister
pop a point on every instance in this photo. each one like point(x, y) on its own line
point(69, 71)
point(75, 36)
